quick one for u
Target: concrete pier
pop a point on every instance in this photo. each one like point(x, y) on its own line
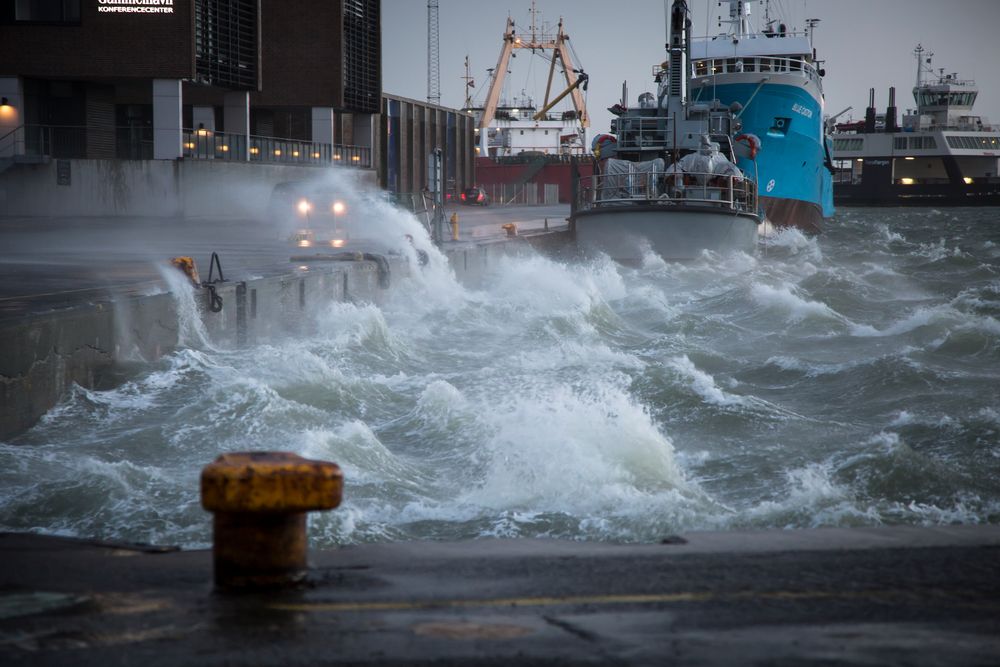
point(882, 596)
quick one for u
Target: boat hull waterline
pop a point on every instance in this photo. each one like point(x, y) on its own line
point(672, 232)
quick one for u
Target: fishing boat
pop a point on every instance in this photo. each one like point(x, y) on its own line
point(773, 73)
point(667, 180)
point(524, 148)
point(941, 154)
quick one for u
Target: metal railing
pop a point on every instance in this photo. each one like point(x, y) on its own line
point(735, 193)
point(637, 133)
point(136, 143)
point(708, 67)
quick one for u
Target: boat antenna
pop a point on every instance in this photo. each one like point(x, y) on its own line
point(470, 84)
point(919, 53)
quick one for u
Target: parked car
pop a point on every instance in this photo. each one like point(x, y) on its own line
point(475, 196)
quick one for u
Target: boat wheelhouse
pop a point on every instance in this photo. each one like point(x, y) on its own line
point(667, 182)
point(942, 154)
point(773, 74)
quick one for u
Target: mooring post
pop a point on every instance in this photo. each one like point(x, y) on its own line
point(260, 500)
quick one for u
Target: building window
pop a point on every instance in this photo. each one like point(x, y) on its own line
point(362, 55)
point(225, 35)
point(47, 11)
point(899, 143)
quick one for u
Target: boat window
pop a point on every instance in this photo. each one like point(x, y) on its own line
point(731, 65)
point(765, 64)
point(852, 144)
point(973, 142)
point(922, 142)
point(701, 68)
point(750, 65)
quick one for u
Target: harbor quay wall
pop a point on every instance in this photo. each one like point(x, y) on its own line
point(101, 344)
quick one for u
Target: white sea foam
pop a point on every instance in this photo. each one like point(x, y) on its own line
point(795, 308)
point(191, 331)
point(704, 384)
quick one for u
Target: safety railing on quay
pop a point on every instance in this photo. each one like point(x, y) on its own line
point(736, 193)
point(136, 143)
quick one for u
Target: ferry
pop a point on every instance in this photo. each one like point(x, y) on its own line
point(940, 155)
point(774, 75)
point(667, 180)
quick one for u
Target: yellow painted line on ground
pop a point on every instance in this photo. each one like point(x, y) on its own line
point(543, 601)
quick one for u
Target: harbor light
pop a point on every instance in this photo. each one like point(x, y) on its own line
point(910, 158)
point(906, 181)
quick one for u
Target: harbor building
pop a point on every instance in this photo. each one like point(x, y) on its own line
point(171, 107)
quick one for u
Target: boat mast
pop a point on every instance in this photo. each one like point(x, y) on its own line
point(739, 18)
point(919, 53)
point(677, 53)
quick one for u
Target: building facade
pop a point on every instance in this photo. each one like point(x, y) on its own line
point(280, 81)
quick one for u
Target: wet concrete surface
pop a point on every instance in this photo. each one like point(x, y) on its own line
point(882, 596)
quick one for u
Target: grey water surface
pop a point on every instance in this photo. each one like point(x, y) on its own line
point(848, 379)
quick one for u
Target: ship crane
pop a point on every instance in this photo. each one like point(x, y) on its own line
point(558, 45)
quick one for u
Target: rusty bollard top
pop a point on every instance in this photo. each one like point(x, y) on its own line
point(270, 482)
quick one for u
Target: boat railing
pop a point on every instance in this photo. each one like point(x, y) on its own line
point(710, 66)
point(735, 193)
point(656, 133)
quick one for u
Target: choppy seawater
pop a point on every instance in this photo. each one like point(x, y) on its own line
point(848, 379)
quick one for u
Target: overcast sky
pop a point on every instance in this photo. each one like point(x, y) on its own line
point(865, 43)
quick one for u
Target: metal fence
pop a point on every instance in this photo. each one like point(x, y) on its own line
point(528, 194)
point(136, 143)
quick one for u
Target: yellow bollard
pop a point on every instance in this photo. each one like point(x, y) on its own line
point(260, 500)
point(454, 226)
point(187, 266)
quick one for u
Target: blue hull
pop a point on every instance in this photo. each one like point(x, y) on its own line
point(791, 167)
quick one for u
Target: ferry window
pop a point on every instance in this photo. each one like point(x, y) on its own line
point(765, 64)
point(922, 142)
point(750, 65)
point(853, 144)
point(795, 64)
point(47, 11)
point(700, 68)
point(963, 142)
point(731, 65)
